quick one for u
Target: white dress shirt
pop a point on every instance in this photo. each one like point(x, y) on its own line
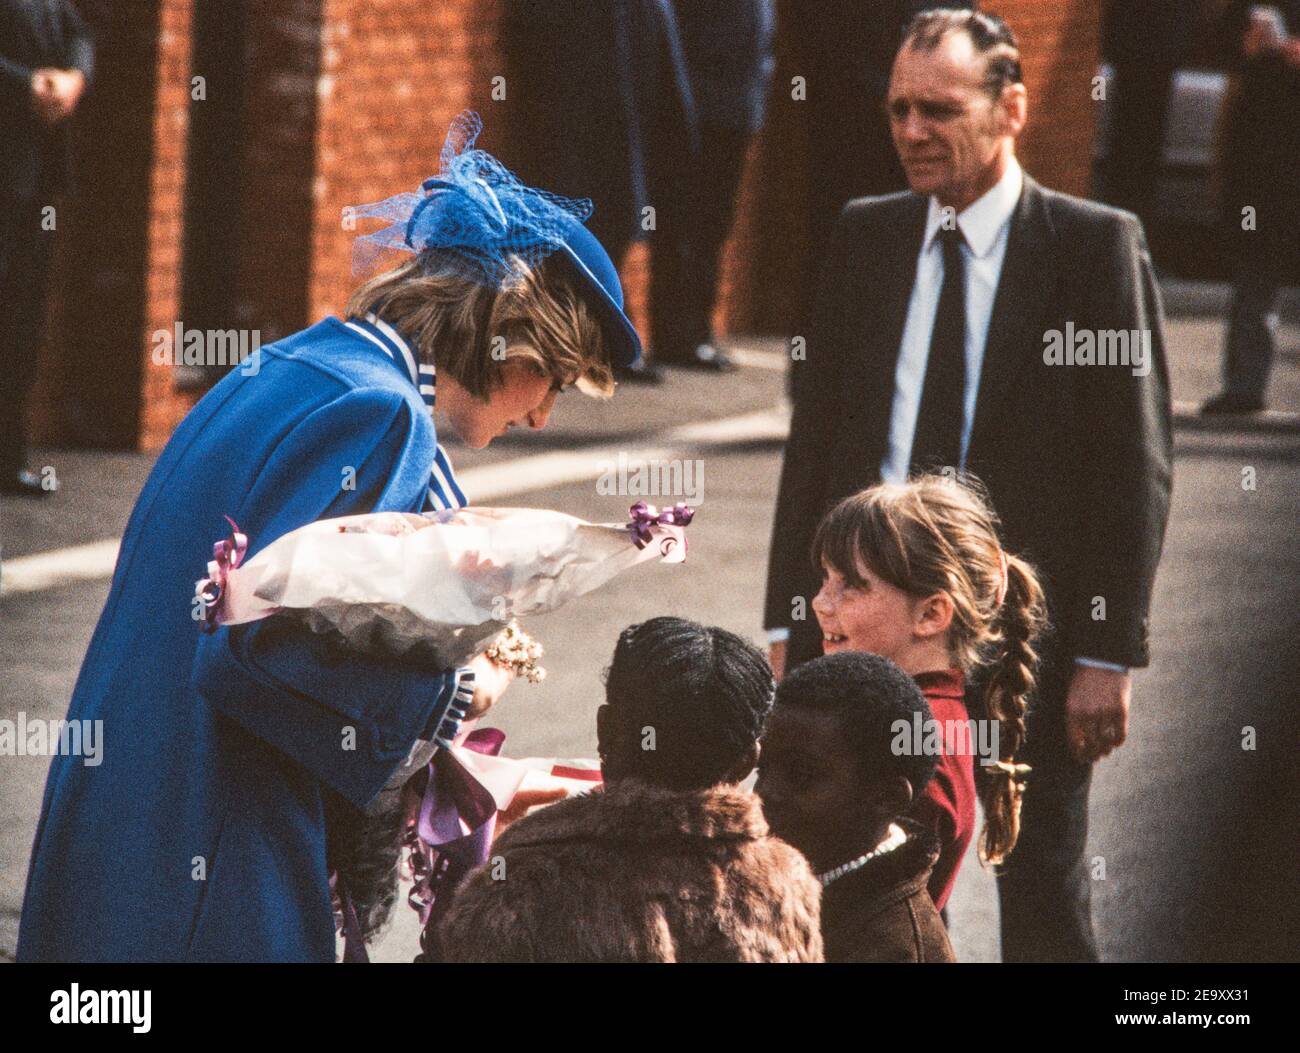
point(985, 225)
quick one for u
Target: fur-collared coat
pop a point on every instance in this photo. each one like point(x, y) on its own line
point(634, 873)
point(882, 912)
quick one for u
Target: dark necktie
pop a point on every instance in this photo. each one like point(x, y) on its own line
point(937, 440)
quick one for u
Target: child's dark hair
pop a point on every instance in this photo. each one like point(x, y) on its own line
point(936, 534)
point(687, 703)
point(868, 695)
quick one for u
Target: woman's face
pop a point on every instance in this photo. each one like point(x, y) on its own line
point(876, 617)
point(525, 398)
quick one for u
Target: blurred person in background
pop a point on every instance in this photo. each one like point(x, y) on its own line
point(1145, 41)
point(1261, 192)
point(729, 59)
point(602, 108)
point(46, 61)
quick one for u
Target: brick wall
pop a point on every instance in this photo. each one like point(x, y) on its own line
point(345, 102)
point(160, 410)
point(393, 75)
point(1060, 44)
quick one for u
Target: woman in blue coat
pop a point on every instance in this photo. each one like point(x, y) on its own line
point(229, 757)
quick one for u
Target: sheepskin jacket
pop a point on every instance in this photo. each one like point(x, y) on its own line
point(634, 873)
point(882, 912)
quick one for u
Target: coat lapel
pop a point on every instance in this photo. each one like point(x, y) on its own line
point(1029, 276)
point(885, 285)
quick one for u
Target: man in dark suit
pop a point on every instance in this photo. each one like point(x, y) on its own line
point(46, 58)
point(845, 54)
point(937, 341)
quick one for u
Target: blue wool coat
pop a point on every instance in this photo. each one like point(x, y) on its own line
point(201, 835)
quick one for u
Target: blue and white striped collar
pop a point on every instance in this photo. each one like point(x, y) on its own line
point(391, 342)
point(444, 491)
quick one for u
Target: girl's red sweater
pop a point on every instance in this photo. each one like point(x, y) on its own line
point(948, 804)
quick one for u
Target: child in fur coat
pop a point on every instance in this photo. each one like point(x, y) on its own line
point(671, 861)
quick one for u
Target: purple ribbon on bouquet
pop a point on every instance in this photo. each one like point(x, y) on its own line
point(645, 516)
point(453, 830)
point(226, 556)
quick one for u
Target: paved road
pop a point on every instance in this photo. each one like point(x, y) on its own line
point(1197, 834)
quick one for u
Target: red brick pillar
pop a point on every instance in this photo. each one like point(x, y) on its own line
point(161, 406)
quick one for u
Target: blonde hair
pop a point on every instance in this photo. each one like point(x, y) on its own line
point(455, 323)
point(934, 534)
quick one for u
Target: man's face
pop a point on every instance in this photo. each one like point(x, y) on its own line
point(948, 130)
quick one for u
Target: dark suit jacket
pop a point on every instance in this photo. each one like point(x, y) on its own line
point(1077, 458)
point(1261, 141)
point(36, 33)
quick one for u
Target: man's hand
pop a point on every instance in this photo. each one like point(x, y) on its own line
point(776, 659)
point(1261, 36)
point(56, 92)
point(490, 682)
point(1096, 712)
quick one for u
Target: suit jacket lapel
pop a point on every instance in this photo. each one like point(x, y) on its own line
point(885, 285)
point(1025, 288)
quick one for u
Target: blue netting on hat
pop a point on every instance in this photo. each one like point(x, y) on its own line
point(474, 214)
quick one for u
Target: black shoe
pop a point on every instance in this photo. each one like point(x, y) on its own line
point(642, 373)
point(24, 483)
point(707, 358)
point(1229, 403)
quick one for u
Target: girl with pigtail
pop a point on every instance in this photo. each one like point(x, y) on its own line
point(916, 572)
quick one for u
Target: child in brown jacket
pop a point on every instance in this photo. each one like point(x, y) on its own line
point(838, 772)
point(672, 860)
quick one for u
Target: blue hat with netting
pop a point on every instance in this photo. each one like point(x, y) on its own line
point(478, 217)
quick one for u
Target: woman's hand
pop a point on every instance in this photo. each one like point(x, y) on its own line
point(490, 682)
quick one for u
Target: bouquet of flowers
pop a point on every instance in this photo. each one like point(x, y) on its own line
point(446, 584)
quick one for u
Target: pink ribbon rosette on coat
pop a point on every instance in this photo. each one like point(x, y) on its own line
point(445, 584)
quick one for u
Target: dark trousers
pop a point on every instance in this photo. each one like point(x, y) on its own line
point(1044, 887)
point(1266, 259)
point(686, 247)
point(25, 254)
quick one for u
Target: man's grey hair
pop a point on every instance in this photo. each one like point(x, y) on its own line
point(991, 36)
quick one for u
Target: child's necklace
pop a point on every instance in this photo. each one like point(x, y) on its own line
point(895, 838)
